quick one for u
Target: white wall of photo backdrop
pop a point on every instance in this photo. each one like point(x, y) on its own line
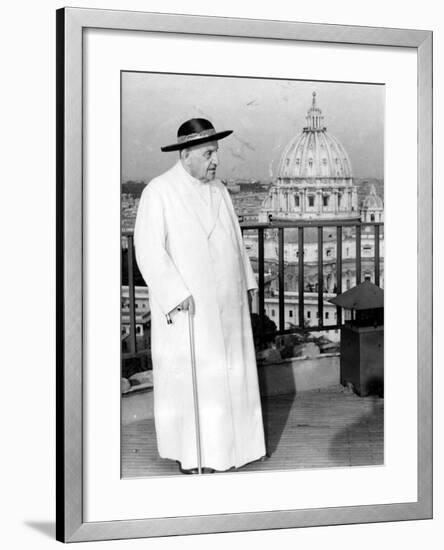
point(28, 225)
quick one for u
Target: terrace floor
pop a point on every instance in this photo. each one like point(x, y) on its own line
point(316, 429)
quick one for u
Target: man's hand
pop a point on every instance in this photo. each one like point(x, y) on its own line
point(187, 304)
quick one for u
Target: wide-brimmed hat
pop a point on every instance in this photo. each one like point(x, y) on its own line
point(194, 132)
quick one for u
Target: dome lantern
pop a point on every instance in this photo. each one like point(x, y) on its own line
point(314, 117)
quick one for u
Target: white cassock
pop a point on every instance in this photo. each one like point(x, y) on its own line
point(188, 243)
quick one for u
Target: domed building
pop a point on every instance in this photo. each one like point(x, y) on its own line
point(314, 177)
point(372, 209)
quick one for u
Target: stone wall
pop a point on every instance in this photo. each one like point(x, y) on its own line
point(298, 374)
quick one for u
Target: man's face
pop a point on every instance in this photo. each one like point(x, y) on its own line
point(201, 161)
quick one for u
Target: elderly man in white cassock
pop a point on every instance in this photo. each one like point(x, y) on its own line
point(190, 252)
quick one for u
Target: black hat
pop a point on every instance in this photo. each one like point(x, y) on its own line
point(194, 132)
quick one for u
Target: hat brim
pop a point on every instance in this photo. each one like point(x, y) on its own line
point(186, 144)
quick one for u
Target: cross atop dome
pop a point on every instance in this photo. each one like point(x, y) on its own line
point(315, 120)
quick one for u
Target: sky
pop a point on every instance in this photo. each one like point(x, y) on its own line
point(264, 114)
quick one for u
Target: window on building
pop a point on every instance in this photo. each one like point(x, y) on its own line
point(310, 162)
point(328, 252)
point(347, 284)
point(298, 161)
point(138, 329)
point(290, 313)
point(311, 200)
point(273, 313)
point(327, 314)
point(325, 200)
point(296, 200)
point(308, 314)
point(372, 217)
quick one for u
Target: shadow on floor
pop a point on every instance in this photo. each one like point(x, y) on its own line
point(361, 442)
point(275, 413)
point(276, 409)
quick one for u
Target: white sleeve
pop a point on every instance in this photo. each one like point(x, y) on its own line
point(164, 281)
point(248, 270)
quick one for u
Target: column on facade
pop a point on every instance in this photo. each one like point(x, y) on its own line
point(335, 201)
point(354, 199)
point(318, 201)
point(281, 199)
point(302, 200)
point(292, 199)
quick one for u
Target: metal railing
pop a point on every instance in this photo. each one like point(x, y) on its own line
point(130, 339)
point(281, 227)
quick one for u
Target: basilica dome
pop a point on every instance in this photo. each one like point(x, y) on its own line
point(314, 179)
point(314, 153)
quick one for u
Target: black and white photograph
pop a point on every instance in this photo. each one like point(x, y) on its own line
point(222, 275)
point(252, 274)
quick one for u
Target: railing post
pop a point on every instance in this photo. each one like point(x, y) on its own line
point(376, 255)
point(261, 278)
point(131, 295)
point(301, 276)
point(358, 254)
point(281, 280)
point(320, 277)
point(339, 270)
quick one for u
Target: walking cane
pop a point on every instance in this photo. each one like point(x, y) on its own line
point(195, 396)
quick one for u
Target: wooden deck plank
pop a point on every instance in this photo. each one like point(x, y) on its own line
point(310, 430)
